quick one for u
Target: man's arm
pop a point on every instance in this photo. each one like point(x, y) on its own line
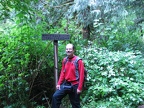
point(62, 75)
point(81, 75)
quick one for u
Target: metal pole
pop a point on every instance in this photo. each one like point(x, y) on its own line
point(56, 61)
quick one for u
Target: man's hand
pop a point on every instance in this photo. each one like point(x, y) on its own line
point(58, 87)
point(78, 91)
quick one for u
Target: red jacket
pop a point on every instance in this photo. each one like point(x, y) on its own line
point(68, 72)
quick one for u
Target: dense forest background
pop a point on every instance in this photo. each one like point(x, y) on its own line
point(108, 35)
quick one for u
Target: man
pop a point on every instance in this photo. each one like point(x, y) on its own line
point(68, 76)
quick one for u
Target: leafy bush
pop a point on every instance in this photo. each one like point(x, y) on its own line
point(24, 67)
point(115, 78)
point(121, 36)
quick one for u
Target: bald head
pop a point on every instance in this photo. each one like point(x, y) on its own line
point(70, 50)
point(70, 45)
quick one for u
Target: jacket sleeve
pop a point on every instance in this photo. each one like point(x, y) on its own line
point(81, 74)
point(62, 74)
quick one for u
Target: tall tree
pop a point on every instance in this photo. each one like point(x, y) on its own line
point(88, 12)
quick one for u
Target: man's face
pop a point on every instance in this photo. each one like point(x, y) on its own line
point(69, 50)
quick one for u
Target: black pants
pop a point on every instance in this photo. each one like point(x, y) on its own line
point(60, 94)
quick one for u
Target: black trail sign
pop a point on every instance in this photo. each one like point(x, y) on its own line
point(55, 38)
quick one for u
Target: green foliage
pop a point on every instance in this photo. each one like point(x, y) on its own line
point(23, 57)
point(122, 36)
point(115, 79)
point(14, 59)
point(26, 62)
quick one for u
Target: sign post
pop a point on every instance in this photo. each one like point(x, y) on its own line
point(55, 38)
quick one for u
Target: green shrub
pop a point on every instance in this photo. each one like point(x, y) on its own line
point(23, 61)
point(115, 79)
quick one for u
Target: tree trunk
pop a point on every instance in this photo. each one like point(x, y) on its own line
point(86, 32)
